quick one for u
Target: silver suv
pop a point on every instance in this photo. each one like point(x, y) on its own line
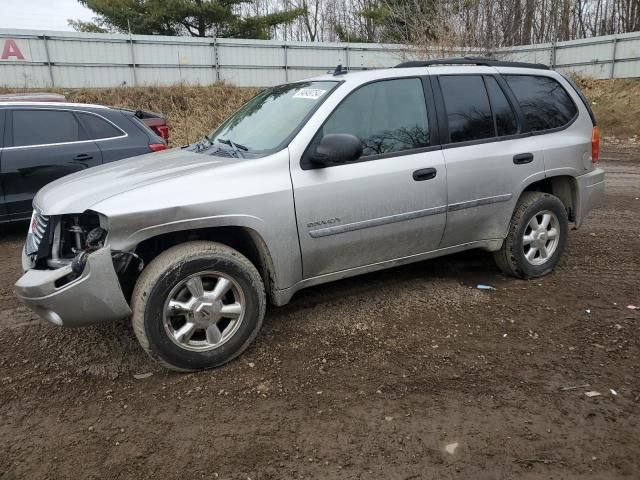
point(311, 182)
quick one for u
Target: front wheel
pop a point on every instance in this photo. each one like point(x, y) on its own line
point(537, 236)
point(197, 305)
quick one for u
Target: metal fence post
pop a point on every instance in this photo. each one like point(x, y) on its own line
point(286, 63)
point(133, 61)
point(613, 57)
point(553, 54)
point(216, 63)
point(346, 60)
point(46, 51)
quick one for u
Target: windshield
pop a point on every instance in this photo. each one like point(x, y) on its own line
point(266, 121)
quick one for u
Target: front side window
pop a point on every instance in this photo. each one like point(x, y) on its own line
point(467, 105)
point(266, 121)
point(544, 103)
point(42, 127)
point(387, 116)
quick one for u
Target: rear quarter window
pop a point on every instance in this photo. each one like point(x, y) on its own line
point(545, 104)
point(98, 127)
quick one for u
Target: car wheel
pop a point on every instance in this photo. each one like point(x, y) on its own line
point(537, 236)
point(197, 305)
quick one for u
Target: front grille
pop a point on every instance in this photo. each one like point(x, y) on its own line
point(36, 233)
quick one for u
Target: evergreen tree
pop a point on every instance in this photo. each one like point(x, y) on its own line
point(199, 18)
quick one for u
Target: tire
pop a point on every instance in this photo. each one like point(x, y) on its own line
point(197, 305)
point(512, 258)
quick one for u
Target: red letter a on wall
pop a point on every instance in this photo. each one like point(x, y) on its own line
point(11, 50)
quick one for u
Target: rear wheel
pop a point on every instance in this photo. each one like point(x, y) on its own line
point(537, 236)
point(198, 305)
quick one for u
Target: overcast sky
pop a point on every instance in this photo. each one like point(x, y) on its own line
point(41, 14)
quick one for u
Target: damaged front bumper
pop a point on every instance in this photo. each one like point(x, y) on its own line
point(68, 300)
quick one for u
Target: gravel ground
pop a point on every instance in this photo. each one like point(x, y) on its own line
point(407, 373)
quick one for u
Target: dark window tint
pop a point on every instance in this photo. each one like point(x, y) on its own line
point(506, 122)
point(544, 103)
point(98, 127)
point(40, 127)
point(2, 115)
point(468, 112)
point(387, 116)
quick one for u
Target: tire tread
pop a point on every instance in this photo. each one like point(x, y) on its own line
point(159, 265)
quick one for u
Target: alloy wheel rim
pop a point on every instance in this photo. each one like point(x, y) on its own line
point(203, 311)
point(541, 237)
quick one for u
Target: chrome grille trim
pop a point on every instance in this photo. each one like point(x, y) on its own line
point(37, 229)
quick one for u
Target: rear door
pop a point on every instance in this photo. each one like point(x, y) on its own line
point(41, 145)
point(389, 204)
point(488, 158)
point(116, 135)
point(3, 209)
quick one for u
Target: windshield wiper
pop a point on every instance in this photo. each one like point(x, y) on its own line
point(235, 146)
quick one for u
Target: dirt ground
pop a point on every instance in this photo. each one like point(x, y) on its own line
point(371, 377)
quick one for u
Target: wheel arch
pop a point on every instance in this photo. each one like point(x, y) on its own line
point(244, 239)
point(565, 187)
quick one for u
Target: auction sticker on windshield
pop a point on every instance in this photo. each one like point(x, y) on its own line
point(309, 93)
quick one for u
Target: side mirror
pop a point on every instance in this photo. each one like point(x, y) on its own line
point(337, 148)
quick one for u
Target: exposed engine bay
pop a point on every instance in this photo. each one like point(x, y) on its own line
point(56, 242)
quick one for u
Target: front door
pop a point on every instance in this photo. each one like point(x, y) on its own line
point(389, 204)
point(41, 146)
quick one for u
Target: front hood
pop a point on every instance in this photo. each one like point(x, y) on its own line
point(78, 192)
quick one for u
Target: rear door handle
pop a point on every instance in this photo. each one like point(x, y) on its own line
point(83, 156)
point(523, 158)
point(424, 174)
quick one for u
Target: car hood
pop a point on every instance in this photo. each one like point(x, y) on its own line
point(79, 191)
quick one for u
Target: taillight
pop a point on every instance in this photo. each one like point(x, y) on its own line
point(156, 147)
point(162, 131)
point(595, 144)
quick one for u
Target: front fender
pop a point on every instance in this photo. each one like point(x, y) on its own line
point(277, 244)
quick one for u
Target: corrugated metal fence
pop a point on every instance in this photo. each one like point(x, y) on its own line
point(36, 59)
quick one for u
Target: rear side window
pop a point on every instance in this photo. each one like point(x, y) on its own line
point(544, 103)
point(98, 127)
point(41, 127)
point(506, 123)
point(387, 116)
point(467, 105)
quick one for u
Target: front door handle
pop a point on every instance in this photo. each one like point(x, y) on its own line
point(424, 174)
point(83, 156)
point(523, 158)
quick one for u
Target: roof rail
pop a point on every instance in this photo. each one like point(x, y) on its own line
point(485, 61)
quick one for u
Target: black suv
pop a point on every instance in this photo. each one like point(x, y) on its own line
point(43, 141)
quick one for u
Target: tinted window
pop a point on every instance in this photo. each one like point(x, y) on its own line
point(98, 127)
point(544, 103)
point(467, 104)
point(2, 114)
point(39, 127)
point(506, 122)
point(387, 116)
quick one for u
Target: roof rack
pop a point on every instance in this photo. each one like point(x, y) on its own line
point(484, 61)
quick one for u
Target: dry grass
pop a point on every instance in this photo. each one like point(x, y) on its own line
point(194, 111)
point(616, 104)
point(191, 112)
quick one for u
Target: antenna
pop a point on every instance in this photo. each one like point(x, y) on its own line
point(339, 70)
